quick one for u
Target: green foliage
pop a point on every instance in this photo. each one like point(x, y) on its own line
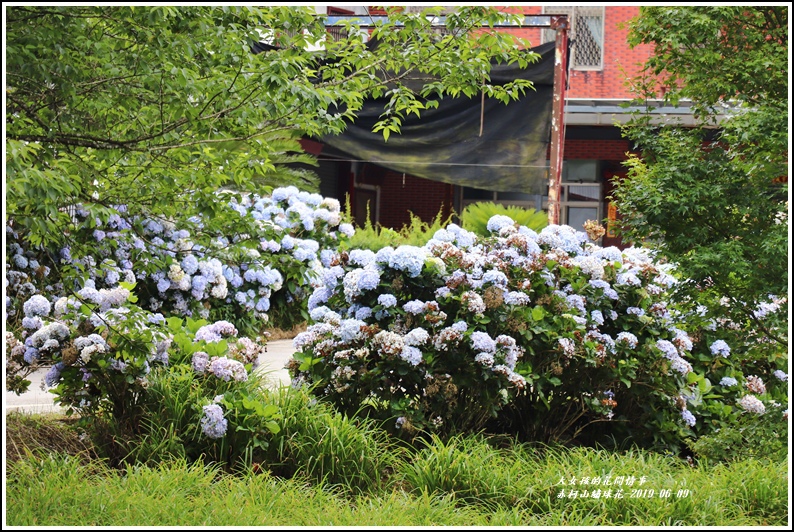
point(415, 233)
point(763, 437)
point(476, 215)
point(519, 482)
point(159, 107)
point(713, 53)
point(325, 446)
point(715, 202)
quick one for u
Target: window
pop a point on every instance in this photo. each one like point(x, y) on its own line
point(586, 32)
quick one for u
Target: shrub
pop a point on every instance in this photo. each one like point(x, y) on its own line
point(546, 334)
point(185, 389)
point(752, 435)
point(251, 255)
point(475, 216)
point(415, 233)
point(442, 338)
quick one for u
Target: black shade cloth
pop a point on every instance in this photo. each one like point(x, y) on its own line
point(444, 144)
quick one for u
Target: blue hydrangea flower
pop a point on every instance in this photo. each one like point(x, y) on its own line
point(414, 307)
point(720, 347)
point(350, 330)
point(627, 338)
point(667, 348)
point(411, 354)
point(361, 257)
point(409, 259)
point(728, 381)
point(190, 264)
point(495, 277)
point(54, 374)
point(387, 300)
point(498, 221)
point(460, 326)
point(516, 298)
point(363, 313)
point(688, 417)
point(482, 341)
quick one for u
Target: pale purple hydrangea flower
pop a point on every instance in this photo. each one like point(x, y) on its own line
point(37, 305)
point(32, 323)
point(728, 381)
point(780, 375)
point(228, 369)
point(215, 331)
point(213, 424)
point(200, 361)
point(688, 417)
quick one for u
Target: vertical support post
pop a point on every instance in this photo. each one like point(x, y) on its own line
point(561, 25)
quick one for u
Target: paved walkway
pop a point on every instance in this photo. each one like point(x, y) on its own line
point(37, 401)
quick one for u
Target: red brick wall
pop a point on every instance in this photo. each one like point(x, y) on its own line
point(422, 197)
point(604, 150)
point(620, 61)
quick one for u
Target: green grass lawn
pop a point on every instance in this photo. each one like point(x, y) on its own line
point(53, 479)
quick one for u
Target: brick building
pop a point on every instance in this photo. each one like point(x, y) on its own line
point(601, 62)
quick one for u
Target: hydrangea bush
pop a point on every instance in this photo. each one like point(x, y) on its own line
point(202, 269)
point(544, 334)
point(110, 361)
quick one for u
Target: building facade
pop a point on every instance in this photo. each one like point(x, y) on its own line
point(600, 65)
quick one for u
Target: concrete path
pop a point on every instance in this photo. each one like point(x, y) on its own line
point(38, 401)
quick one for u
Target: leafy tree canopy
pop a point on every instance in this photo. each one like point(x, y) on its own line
point(715, 200)
point(157, 108)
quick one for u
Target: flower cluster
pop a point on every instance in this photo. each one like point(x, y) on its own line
point(192, 269)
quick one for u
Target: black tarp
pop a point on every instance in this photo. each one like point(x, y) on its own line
point(445, 144)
